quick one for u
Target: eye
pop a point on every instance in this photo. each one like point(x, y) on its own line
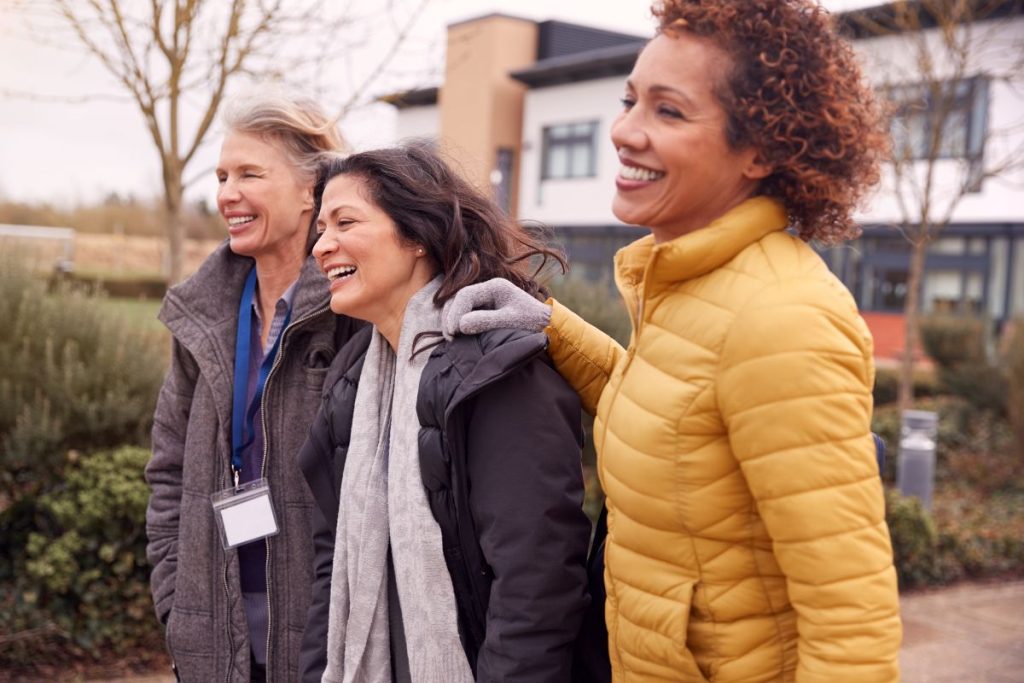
point(670, 112)
point(221, 178)
point(344, 222)
point(627, 102)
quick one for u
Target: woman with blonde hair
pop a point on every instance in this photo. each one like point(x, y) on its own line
point(252, 337)
point(746, 523)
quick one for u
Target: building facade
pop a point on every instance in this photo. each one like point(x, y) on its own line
point(557, 165)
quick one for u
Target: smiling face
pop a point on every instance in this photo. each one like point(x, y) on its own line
point(373, 273)
point(677, 172)
point(263, 200)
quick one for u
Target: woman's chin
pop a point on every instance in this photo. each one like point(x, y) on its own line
point(629, 213)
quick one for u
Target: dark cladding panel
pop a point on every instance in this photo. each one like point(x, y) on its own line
point(559, 38)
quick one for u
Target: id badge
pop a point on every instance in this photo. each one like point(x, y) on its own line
point(244, 513)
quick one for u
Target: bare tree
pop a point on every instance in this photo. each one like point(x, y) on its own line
point(940, 62)
point(177, 59)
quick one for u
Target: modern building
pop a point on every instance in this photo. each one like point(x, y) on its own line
point(526, 107)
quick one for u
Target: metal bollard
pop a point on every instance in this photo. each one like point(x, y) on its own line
point(915, 473)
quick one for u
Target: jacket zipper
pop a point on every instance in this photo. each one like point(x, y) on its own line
point(227, 628)
point(227, 622)
point(266, 452)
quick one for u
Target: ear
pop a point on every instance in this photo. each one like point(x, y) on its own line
point(307, 199)
point(756, 168)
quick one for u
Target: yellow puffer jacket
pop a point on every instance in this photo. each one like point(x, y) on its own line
point(747, 537)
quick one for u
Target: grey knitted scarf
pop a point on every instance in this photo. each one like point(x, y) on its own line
point(382, 501)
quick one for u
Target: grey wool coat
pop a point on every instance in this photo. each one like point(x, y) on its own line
point(195, 582)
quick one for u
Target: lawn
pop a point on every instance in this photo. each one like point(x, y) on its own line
point(141, 312)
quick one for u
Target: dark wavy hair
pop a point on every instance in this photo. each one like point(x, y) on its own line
point(795, 94)
point(462, 230)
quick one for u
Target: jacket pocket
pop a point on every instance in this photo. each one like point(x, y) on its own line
point(190, 639)
point(193, 576)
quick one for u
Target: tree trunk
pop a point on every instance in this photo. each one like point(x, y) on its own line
point(911, 312)
point(173, 201)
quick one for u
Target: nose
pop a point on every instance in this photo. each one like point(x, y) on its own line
point(324, 246)
point(628, 130)
point(227, 192)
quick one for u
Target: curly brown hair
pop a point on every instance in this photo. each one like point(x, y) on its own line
point(796, 94)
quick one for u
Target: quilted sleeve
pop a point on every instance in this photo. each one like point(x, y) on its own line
point(794, 390)
point(584, 355)
point(164, 476)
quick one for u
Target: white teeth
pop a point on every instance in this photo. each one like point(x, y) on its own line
point(340, 271)
point(238, 220)
point(637, 173)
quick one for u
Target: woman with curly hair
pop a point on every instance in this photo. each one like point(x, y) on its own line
point(746, 524)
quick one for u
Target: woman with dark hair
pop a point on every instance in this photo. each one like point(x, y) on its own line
point(450, 537)
point(746, 522)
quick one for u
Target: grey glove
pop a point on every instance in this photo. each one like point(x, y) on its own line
point(493, 305)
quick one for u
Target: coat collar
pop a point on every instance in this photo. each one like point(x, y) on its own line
point(212, 293)
point(697, 253)
point(202, 311)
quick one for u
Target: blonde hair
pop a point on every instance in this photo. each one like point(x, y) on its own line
point(298, 124)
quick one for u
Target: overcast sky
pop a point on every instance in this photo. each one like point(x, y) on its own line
point(65, 153)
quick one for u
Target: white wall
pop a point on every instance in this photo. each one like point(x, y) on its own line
point(995, 47)
point(417, 122)
point(574, 201)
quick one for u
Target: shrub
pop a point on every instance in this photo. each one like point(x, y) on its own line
point(887, 381)
point(958, 347)
point(981, 535)
point(914, 540)
point(83, 573)
point(72, 375)
point(1013, 363)
point(596, 302)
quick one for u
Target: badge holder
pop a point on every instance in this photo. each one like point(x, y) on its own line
point(244, 513)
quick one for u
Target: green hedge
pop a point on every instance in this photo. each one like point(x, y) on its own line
point(82, 577)
point(75, 378)
point(72, 376)
point(968, 535)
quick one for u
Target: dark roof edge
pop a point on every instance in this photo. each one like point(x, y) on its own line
point(879, 20)
point(606, 61)
point(417, 97)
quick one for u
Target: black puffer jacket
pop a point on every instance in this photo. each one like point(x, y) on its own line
point(500, 444)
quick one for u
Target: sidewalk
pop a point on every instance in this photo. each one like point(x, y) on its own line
point(971, 633)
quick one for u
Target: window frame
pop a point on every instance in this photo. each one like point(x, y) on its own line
point(570, 142)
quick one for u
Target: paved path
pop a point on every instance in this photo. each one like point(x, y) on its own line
point(971, 633)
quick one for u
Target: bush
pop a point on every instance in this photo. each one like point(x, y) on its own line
point(83, 573)
point(914, 540)
point(887, 382)
point(1013, 363)
point(599, 303)
point(981, 535)
point(966, 536)
point(958, 347)
point(71, 376)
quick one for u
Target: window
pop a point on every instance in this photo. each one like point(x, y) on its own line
point(501, 178)
point(570, 151)
point(941, 120)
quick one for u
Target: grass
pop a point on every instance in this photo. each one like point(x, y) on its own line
point(141, 312)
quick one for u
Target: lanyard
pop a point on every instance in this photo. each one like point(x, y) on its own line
point(243, 342)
